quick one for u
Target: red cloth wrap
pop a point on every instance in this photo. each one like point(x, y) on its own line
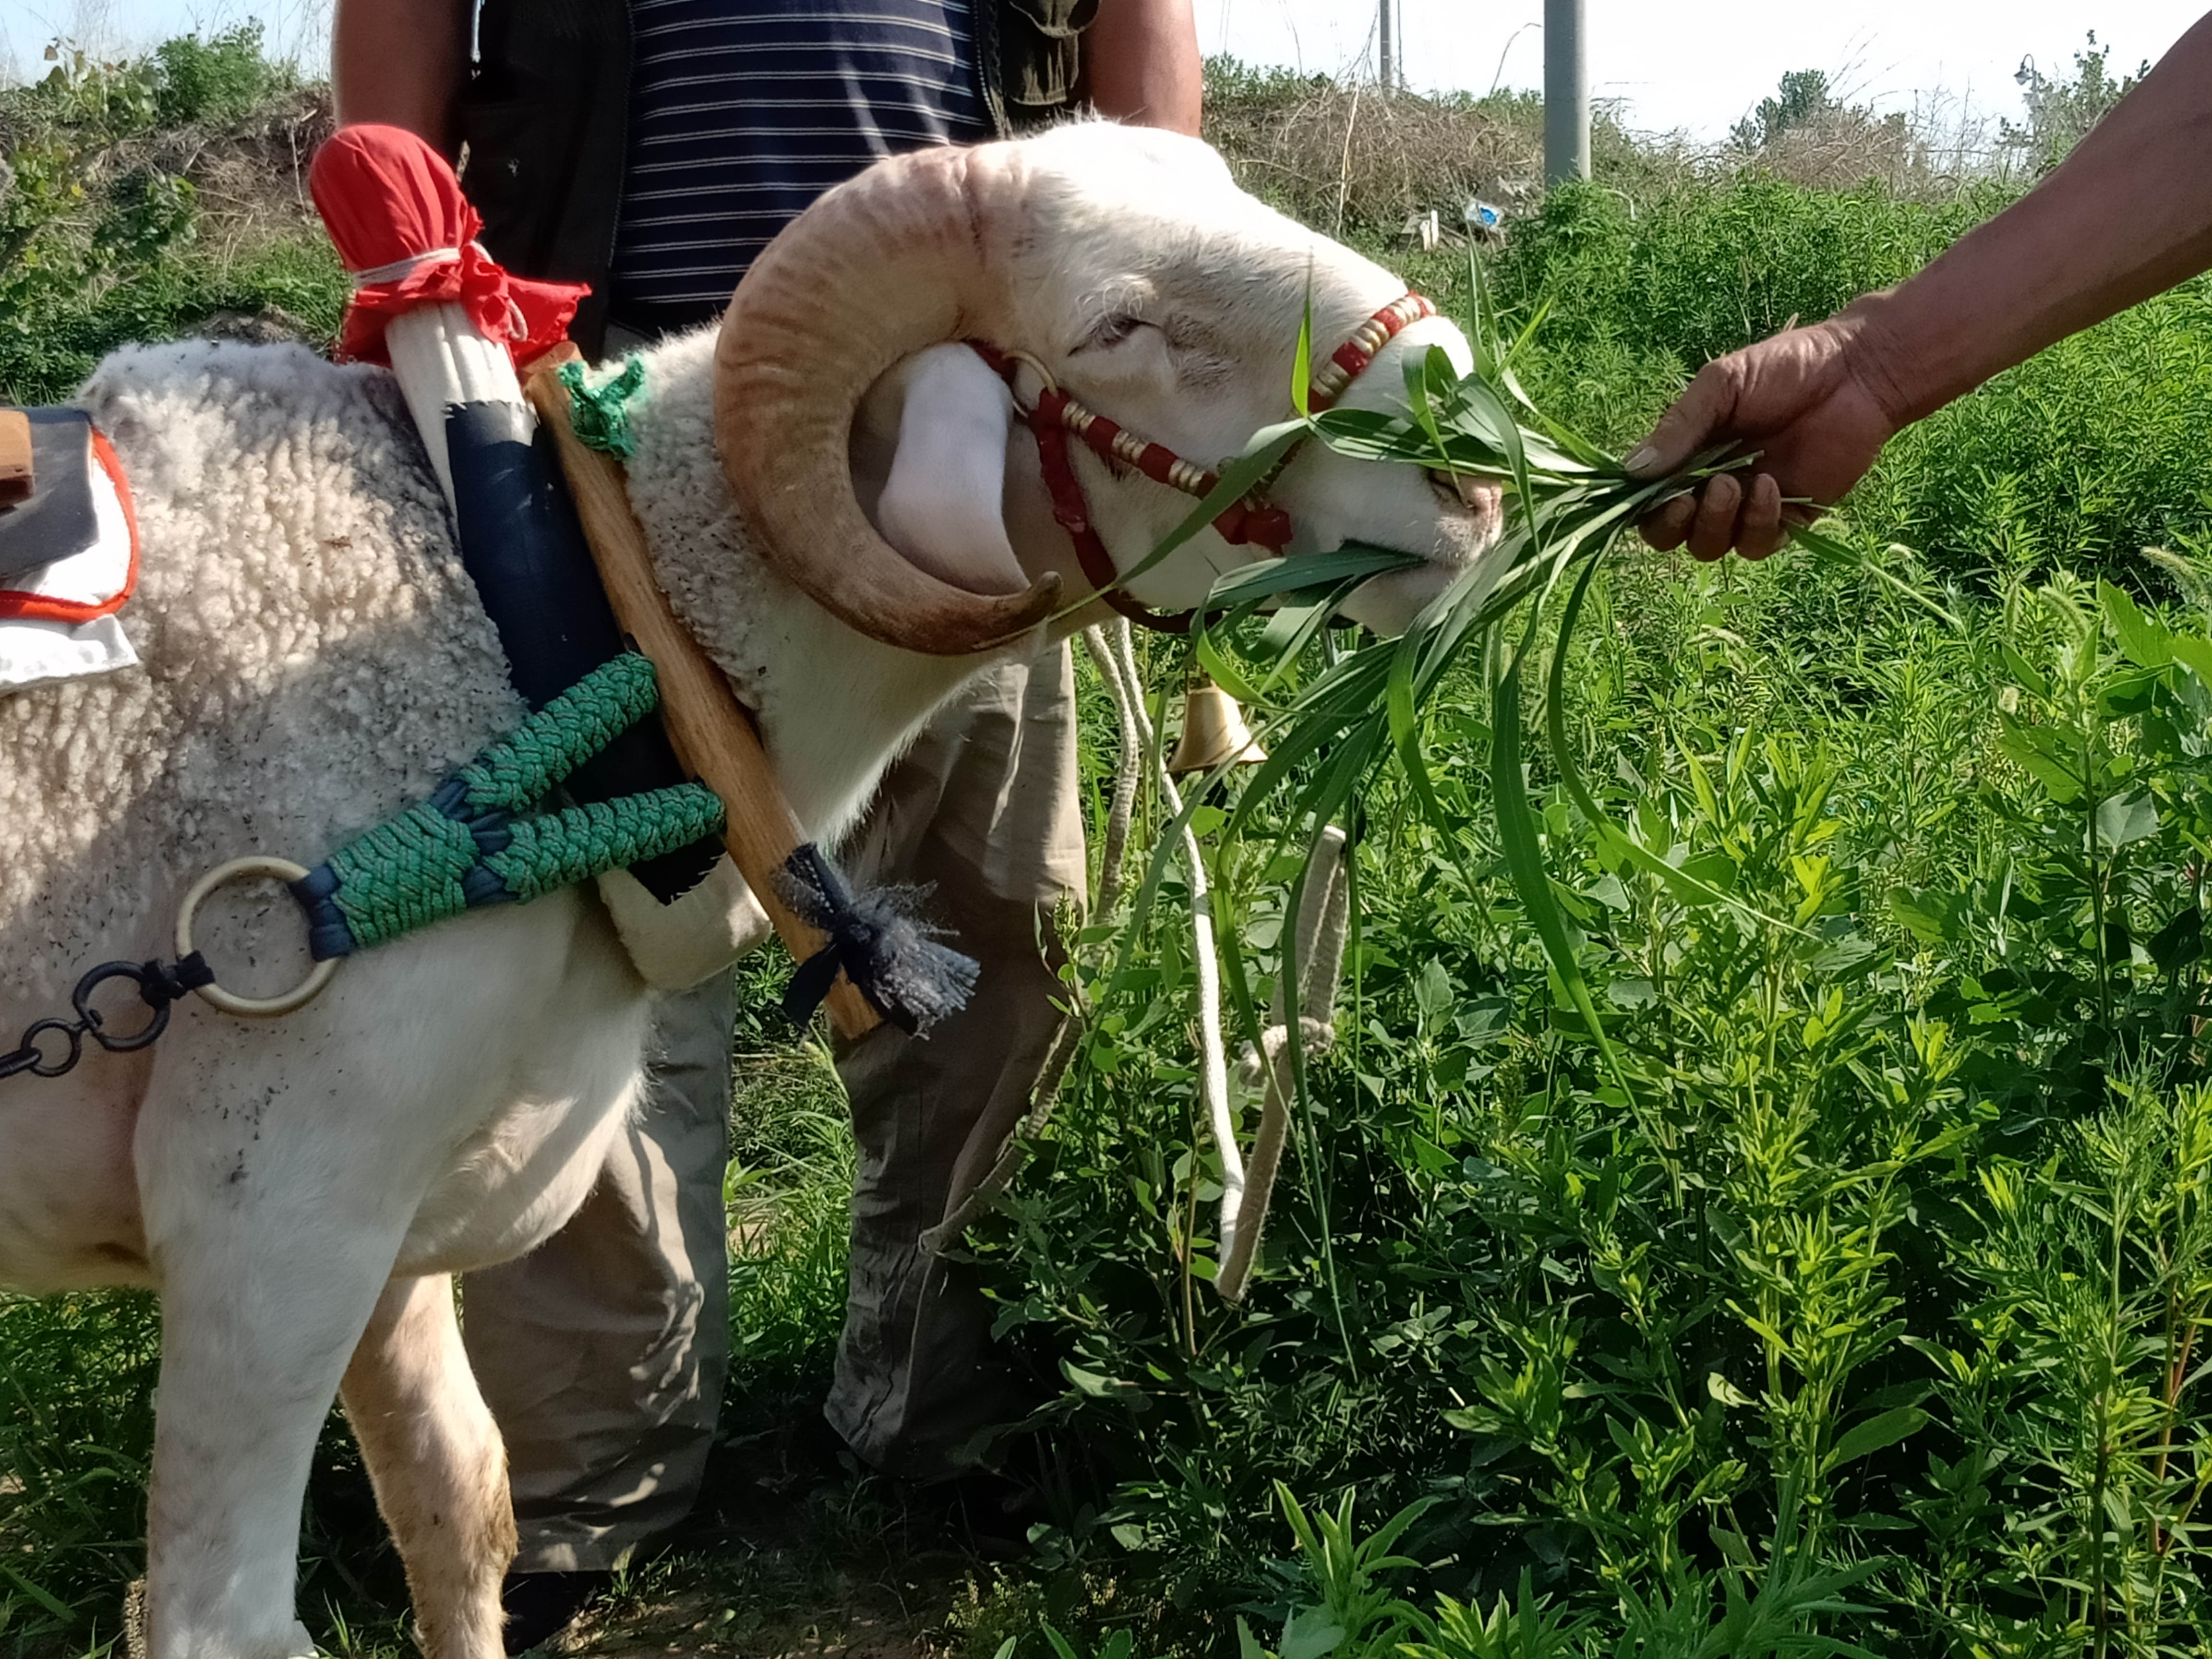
point(386, 195)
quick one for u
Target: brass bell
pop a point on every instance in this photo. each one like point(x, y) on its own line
point(1214, 730)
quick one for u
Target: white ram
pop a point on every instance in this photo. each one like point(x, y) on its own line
point(300, 1190)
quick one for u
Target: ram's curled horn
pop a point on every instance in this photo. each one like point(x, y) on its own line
point(886, 265)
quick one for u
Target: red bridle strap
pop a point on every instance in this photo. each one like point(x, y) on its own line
point(1350, 360)
point(1241, 523)
point(1250, 522)
point(1073, 513)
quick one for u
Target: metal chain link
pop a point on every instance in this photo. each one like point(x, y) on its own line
point(52, 1047)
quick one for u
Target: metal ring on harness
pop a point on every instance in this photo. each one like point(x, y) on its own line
point(72, 1035)
point(250, 869)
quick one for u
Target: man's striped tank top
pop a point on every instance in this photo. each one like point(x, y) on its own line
point(742, 111)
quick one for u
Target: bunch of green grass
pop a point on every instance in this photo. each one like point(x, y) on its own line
point(1328, 729)
point(2094, 449)
point(784, 1195)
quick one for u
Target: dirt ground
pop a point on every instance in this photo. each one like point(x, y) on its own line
point(695, 1622)
point(797, 1554)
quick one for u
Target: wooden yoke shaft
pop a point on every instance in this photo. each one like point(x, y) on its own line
point(712, 733)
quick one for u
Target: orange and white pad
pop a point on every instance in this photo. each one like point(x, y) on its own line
point(59, 622)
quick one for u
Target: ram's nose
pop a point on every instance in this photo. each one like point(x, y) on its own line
point(1484, 499)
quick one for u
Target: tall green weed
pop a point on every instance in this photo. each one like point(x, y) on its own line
point(1875, 1266)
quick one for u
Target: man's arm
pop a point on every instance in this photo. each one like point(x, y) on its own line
point(402, 62)
point(2128, 214)
point(1144, 67)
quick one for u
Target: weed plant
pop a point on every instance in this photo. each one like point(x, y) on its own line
point(1867, 1290)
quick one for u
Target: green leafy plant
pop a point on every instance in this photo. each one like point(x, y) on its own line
point(101, 207)
point(1707, 1319)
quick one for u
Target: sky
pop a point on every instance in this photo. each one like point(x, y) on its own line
point(1700, 65)
point(1696, 66)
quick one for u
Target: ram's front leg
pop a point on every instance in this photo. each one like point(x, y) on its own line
point(280, 1170)
point(440, 1474)
point(261, 1305)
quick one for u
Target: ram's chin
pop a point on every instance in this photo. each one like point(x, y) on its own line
point(1388, 603)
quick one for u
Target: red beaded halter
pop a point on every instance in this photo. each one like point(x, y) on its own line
point(1253, 521)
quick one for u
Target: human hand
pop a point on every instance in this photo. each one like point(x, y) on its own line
point(1817, 405)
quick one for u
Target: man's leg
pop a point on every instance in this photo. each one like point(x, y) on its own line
point(983, 810)
point(602, 1353)
point(915, 1381)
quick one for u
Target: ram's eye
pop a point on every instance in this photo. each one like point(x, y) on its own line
point(1109, 331)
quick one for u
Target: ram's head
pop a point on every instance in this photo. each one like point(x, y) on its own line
point(1126, 264)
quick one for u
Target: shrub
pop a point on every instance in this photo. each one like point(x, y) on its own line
point(222, 80)
point(135, 202)
point(1356, 160)
point(1875, 1265)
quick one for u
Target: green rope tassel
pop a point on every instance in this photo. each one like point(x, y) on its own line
point(465, 848)
point(600, 413)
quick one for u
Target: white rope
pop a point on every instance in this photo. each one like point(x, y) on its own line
point(1126, 777)
point(1213, 1059)
point(1324, 913)
point(1014, 1152)
point(1248, 1185)
point(400, 270)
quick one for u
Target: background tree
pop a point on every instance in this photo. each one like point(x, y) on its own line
point(2060, 112)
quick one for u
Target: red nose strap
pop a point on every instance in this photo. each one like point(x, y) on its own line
point(1350, 360)
point(1252, 522)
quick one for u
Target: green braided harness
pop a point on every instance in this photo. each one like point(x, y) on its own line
point(470, 845)
point(466, 847)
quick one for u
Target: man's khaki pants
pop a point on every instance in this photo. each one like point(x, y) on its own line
point(603, 1354)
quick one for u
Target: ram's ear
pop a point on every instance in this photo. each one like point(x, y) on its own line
point(941, 504)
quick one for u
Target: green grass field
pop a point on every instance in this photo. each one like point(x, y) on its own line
point(1857, 1310)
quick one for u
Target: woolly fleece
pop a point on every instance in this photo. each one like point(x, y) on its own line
point(834, 705)
point(314, 656)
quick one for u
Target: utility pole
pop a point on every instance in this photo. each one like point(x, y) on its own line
point(1387, 54)
point(1566, 93)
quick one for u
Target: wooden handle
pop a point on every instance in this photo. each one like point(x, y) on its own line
point(16, 476)
point(712, 733)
